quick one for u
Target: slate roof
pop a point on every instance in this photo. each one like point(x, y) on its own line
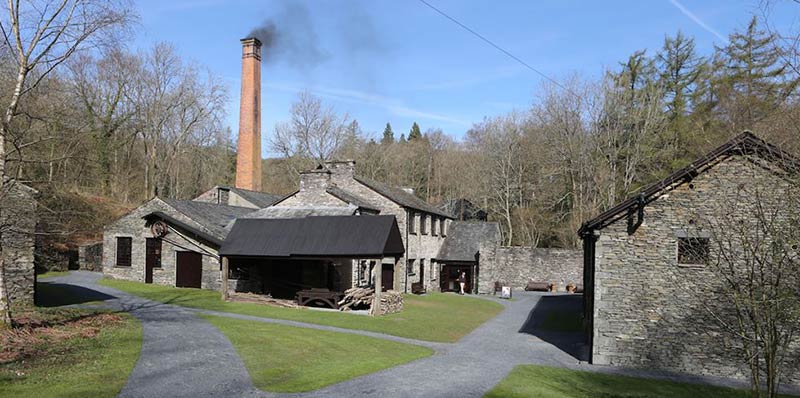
point(464, 238)
point(402, 197)
point(300, 212)
point(211, 216)
point(260, 199)
point(191, 230)
point(367, 236)
point(352, 199)
point(744, 143)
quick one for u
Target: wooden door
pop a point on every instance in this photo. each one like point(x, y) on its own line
point(387, 277)
point(422, 272)
point(188, 269)
point(152, 258)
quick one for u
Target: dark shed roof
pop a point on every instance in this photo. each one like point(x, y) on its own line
point(744, 143)
point(337, 236)
point(402, 197)
point(464, 239)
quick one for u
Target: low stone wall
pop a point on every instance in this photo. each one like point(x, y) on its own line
point(90, 257)
point(516, 266)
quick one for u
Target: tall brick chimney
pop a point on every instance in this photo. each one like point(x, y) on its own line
point(248, 155)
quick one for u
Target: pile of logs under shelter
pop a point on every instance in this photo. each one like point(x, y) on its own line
point(359, 298)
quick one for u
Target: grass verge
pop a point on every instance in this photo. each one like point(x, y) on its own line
point(288, 359)
point(532, 381)
point(52, 274)
point(433, 317)
point(68, 353)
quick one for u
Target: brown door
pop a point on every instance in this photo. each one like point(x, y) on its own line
point(387, 277)
point(188, 269)
point(152, 258)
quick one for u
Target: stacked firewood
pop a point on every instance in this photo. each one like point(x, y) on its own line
point(391, 302)
point(356, 298)
point(362, 298)
point(261, 299)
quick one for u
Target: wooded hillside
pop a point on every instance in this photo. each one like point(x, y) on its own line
point(112, 127)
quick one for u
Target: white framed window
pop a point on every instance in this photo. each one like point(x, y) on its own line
point(412, 223)
point(423, 224)
point(410, 266)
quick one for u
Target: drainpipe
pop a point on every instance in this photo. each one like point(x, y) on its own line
point(405, 255)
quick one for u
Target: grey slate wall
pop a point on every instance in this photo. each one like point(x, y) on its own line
point(18, 221)
point(516, 266)
point(651, 312)
point(132, 225)
point(90, 257)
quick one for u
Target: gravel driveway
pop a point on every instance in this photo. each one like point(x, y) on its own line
point(184, 356)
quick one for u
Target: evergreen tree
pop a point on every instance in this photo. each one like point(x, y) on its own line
point(755, 79)
point(388, 135)
point(415, 133)
point(679, 67)
point(402, 139)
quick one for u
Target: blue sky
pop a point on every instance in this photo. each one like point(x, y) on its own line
point(399, 61)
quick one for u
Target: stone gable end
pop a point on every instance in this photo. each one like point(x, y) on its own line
point(651, 312)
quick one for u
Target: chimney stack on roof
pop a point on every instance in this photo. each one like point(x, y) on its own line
point(248, 155)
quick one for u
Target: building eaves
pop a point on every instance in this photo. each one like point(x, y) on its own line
point(402, 197)
point(744, 143)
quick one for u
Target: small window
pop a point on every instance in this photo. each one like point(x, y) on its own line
point(444, 226)
point(693, 251)
point(423, 224)
point(410, 266)
point(434, 226)
point(412, 224)
point(124, 251)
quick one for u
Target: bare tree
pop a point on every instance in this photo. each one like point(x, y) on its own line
point(752, 245)
point(315, 130)
point(41, 35)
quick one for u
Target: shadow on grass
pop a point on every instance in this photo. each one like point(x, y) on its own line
point(52, 294)
point(556, 320)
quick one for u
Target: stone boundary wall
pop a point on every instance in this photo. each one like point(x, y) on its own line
point(515, 266)
point(90, 257)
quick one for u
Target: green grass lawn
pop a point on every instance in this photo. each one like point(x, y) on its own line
point(52, 274)
point(532, 381)
point(58, 352)
point(283, 358)
point(434, 317)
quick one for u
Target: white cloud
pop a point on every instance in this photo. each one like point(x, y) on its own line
point(697, 20)
point(393, 105)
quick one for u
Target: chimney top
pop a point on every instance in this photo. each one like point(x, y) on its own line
point(248, 40)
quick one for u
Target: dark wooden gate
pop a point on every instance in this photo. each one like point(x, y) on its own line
point(152, 258)
point(387, 277)
point(188, 269)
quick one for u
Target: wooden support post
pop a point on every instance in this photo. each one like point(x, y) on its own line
point(376, 304)
point(224, 279)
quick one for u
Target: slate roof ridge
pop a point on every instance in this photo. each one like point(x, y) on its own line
point(745, 142)
point(351, 198)
point(206, 213)
point(401, 197)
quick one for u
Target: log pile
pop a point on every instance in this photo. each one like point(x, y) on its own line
point(362, 298)
point(261, 299)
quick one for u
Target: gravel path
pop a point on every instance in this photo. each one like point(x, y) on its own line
point(184, 356)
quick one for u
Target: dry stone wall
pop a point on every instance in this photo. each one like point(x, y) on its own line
point(18, 224)
point(516, 266)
